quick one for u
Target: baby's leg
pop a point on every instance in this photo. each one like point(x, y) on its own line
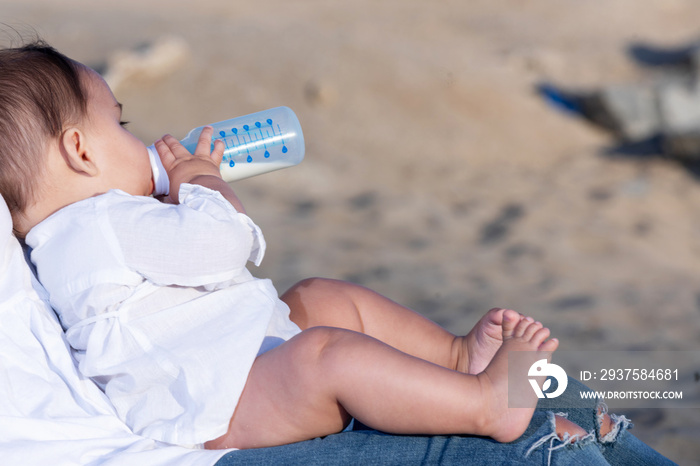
point(333, 303)
point(312, 384)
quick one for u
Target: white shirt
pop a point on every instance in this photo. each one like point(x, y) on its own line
point(50, 413)
point(158, 306)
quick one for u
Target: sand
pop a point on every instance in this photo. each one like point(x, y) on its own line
point(434, 172)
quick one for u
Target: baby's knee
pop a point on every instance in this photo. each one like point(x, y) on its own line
point(317, 284)
point(319, 342)
point(564, 427)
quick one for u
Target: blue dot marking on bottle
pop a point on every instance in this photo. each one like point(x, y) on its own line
point(257, 124)
point(231, 163)
point(269, 121)
point(250, 159)
point(246, 127)
point(234, 130)
point(267, 154)
point(284, 149)
point(222, 133)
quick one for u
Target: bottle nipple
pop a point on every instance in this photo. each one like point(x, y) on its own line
point(161, 183)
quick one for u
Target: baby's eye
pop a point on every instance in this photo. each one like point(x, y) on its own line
point(124, 123)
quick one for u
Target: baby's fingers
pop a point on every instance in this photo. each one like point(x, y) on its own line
point(165, 153)
point(177, 149)
point(218, 153)
point(204, 146)
point(204, 141)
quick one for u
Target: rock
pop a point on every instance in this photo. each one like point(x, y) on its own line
point(147, 63)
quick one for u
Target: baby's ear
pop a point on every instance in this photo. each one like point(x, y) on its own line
point(74, 149)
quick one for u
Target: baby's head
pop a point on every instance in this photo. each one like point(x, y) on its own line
point(40, 94)
point(61, 138)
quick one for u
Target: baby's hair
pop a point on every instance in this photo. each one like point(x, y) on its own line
point(40, 95)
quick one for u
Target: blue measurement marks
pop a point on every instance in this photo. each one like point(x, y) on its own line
point(260, 138)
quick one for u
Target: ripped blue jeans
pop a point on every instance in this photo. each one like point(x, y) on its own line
point(539, 445)
point(616, 447)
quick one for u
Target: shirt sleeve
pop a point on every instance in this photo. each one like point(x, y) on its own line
point(200, 242)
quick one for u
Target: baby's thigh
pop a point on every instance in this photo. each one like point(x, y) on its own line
point(286, 398)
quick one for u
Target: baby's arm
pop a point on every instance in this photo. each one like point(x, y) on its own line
point(200, 168)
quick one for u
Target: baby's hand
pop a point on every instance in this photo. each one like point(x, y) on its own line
point(183, 167)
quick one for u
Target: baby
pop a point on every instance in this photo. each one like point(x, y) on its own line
point(161, 312)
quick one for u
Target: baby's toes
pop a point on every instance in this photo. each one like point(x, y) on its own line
point(531, 330)
point(510, 321)
point(495, 315)
point(522, 326)
point(549, 345)
point(539, 335)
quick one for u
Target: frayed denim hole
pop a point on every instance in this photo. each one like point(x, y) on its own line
point(619, 424)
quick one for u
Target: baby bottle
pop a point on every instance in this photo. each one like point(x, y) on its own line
point(254, 144)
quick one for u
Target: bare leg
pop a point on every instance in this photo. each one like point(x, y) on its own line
point(333, 303)
point(563, 427)
point(606, 424)
point(312, 384)
point(325, 302)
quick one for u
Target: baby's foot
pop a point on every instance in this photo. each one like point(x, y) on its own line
point(506, 424)
point(484, 340)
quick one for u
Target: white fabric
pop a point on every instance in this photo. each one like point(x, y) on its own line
point(159, 307)
point(49, 412)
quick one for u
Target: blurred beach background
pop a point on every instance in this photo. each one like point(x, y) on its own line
point(434, 172)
